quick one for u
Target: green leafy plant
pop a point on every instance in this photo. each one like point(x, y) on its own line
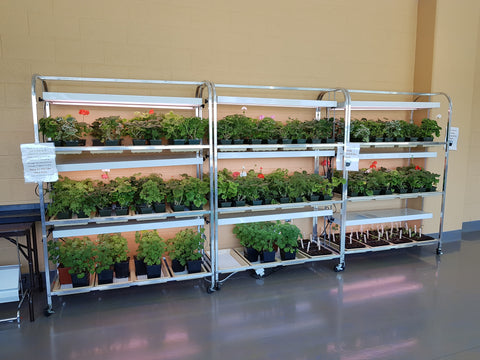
point(288, 236)
point(293, 129)
point(107, 128)
point(187, 245)
point(359, 130)
point(429, 128)
point(377, 128)
point(251, 187)
point(227, 189)
point(173, 126)
point(79, 255)
point(396, 129)
point(195, 190)
point(110, 249)
point(151, 246)
point(194, 127)
point(267, 128)
point(319, 129)
point(277, 184)
point(260, 235)
point(153, 190)
point(63, 128)
point(68, 195)
point(123, 191)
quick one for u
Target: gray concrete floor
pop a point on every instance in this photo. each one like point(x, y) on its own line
point(407, 304)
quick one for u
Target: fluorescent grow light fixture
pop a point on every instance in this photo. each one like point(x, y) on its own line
point(390, 105)
point(158, 102)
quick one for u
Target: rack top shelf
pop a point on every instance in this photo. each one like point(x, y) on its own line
point(389, 105)
point(81, 99)
point(238, 100)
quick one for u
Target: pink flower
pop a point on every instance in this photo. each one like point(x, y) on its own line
point(261, 117)
point(105, 176)
point(236, 174)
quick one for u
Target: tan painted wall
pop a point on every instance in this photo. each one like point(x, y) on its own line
point(455, 68)
point(369, 44)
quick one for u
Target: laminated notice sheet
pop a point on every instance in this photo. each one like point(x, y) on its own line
point(39, 162)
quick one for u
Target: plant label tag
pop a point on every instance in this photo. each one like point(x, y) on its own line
point(453, 138)
point(39, 162)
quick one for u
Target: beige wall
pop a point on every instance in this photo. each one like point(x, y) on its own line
point(369, 44)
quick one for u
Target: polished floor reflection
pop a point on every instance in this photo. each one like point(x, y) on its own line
point(407, 304)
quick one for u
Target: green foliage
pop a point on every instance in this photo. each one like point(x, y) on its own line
point(151, 246)
point(237, 126)
point(173, 126)
point(396, 128)
point(187, 245)
point(227, 187)
point(260, 235)
point(359, 130)
point(71, 195)
point(293, 129)
point(63, 128)
point(153, 191)
point(319, 129)
point(110, 249)
point(277, 184)
point(377, 128)
point(288, 236)
point(188, 191)
point(194, 127)
point(267, 128)
point(429, 128)
point(78, 254)
point(122, 191)
point(107, 128)
point(251, 187)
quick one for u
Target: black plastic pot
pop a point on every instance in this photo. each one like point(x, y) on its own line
point(301, 141)
point(225, 204)
point(177, 267)
point(178, 207)
point(80, 282)
point(139, 142)
point(240, 203)
point(257, 202)
point(122, 269)
point(155, 141)
point(113, 142)
point(194, 142)
point(105, 212)
point(287, 141)
point(105, 277)
point(140, 267)
point(154, 271)
point(267, 256)
point(159, 207)
point(251, 254)
point(238, 142)
point(143, 209)
point(287, 255)
point(121, 211)
point(64, 215)
point(194, 266)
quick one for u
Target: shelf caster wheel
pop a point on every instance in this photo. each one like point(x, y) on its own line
point(339, 267)
point(439, 251)
point(218, 287)
point(48, 311)
point(210, 290)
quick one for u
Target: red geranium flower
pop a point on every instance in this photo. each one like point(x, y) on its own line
point(84, 112)
point(374, 165)
point(261, 176)
point(104, 176)
point(418, 167)
point(236, 174)
point(151, 111)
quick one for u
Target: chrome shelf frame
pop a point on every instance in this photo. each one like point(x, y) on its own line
point(202, 92)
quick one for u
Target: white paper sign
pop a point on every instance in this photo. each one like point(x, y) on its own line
point(453, 138)
point(39, 162)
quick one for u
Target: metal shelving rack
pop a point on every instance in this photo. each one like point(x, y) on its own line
point(231, 260)
point(124, 157)
point(395, 150)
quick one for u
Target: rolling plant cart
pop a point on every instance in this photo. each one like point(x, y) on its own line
point(396, 209)
point(49, 91)
point(272, 99)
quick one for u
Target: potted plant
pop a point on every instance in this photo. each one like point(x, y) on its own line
point(195, 129)
point(137, 130)
point(225, 130)
point(320, 130)
point(122, 194)
point(112, 249)
point(107, 131)
point(278, 185)
point(297, 186)
point(153, 192)
point(268, 130)
point(251, 187)
point(79, 256)
point(395, 130)
point(63, 130)
point(173, 127)
point(411, 132)
point(246, 233)
point(377, 130)
point(359, 131)
point(293, 131)
point(227, 188)
point(287, 240)
point(186, 248)
point(151, 248)
point(56, 254)
point(196, 191)
point(428, 129)
point(175, 194)
point(154, 131)
point(260, 236)
point(102, 198)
